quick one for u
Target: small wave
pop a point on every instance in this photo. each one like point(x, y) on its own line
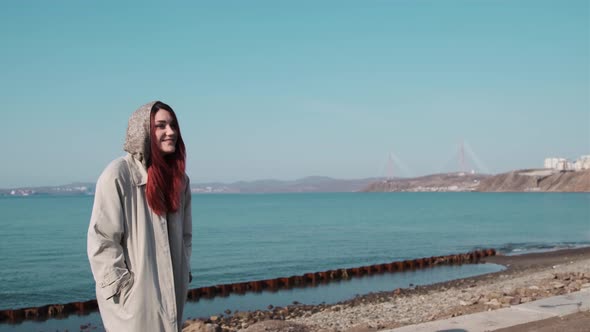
point(510, 249)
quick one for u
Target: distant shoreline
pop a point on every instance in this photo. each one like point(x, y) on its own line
point(527, 180)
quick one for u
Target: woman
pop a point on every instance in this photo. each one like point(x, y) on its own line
point(140, 234)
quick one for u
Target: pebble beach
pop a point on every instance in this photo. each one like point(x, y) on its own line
point(527, 277)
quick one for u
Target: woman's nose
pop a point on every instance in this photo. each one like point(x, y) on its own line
point(170, 131)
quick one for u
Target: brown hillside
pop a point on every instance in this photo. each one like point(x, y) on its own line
point(538, 180)
point(435, 182)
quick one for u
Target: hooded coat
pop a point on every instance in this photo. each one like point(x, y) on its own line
point(140, 260)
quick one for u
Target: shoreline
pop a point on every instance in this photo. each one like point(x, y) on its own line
point(527, 277)
point(549, 273)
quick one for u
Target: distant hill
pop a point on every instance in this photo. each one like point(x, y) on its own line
point(307, 184)
point(542, 180)
point(538, 180)
point(77, 188)
point(429, 183)
point(521, 180)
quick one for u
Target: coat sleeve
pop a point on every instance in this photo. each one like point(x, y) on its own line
point(188, 224)
point(105, 232)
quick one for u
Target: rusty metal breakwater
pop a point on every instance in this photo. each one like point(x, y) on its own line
point(306, 280)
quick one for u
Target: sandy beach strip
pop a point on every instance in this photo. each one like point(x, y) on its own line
point(527, 278)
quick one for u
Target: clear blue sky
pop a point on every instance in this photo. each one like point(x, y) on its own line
point(278, 89)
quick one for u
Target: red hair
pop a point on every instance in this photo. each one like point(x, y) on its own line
point(166, 177)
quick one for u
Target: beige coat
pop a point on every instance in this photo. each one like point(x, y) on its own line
point(140, 260)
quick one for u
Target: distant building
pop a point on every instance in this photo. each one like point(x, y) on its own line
point(555, 163)
point(562, 164)
point(582, 163)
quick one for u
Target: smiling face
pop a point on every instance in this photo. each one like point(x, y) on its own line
point(166, 131)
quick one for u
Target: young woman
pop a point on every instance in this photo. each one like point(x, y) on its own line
point(140, 234)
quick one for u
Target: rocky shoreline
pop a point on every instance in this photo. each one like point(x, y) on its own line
point(527, 278)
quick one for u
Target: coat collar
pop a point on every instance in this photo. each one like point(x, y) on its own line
point(137, 170)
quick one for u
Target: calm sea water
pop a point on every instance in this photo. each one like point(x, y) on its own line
point(250, 237)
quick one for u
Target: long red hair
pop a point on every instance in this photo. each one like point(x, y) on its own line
point(166, 177)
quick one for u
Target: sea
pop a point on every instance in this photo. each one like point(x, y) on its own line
point(246, 237)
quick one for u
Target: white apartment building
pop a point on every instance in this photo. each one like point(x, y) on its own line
point(554, 162)
point(562, 164)
point(582, 163)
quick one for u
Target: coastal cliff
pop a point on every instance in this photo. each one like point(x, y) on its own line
point(537, 180)
point(531, 180)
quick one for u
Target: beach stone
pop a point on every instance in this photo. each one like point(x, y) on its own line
point(573, 286)
point(493, 303)
point(493, 295)
point(507, 299)
point(557, 285)
point(364, 327)
point(200, 326)
point(242, 315)
point(327, 330)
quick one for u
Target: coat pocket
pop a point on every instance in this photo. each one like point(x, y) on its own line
point(112, 282)
point(126, 286)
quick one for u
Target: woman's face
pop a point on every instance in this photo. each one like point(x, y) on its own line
point(166, 131)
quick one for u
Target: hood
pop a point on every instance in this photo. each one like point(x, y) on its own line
point(137, 142)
